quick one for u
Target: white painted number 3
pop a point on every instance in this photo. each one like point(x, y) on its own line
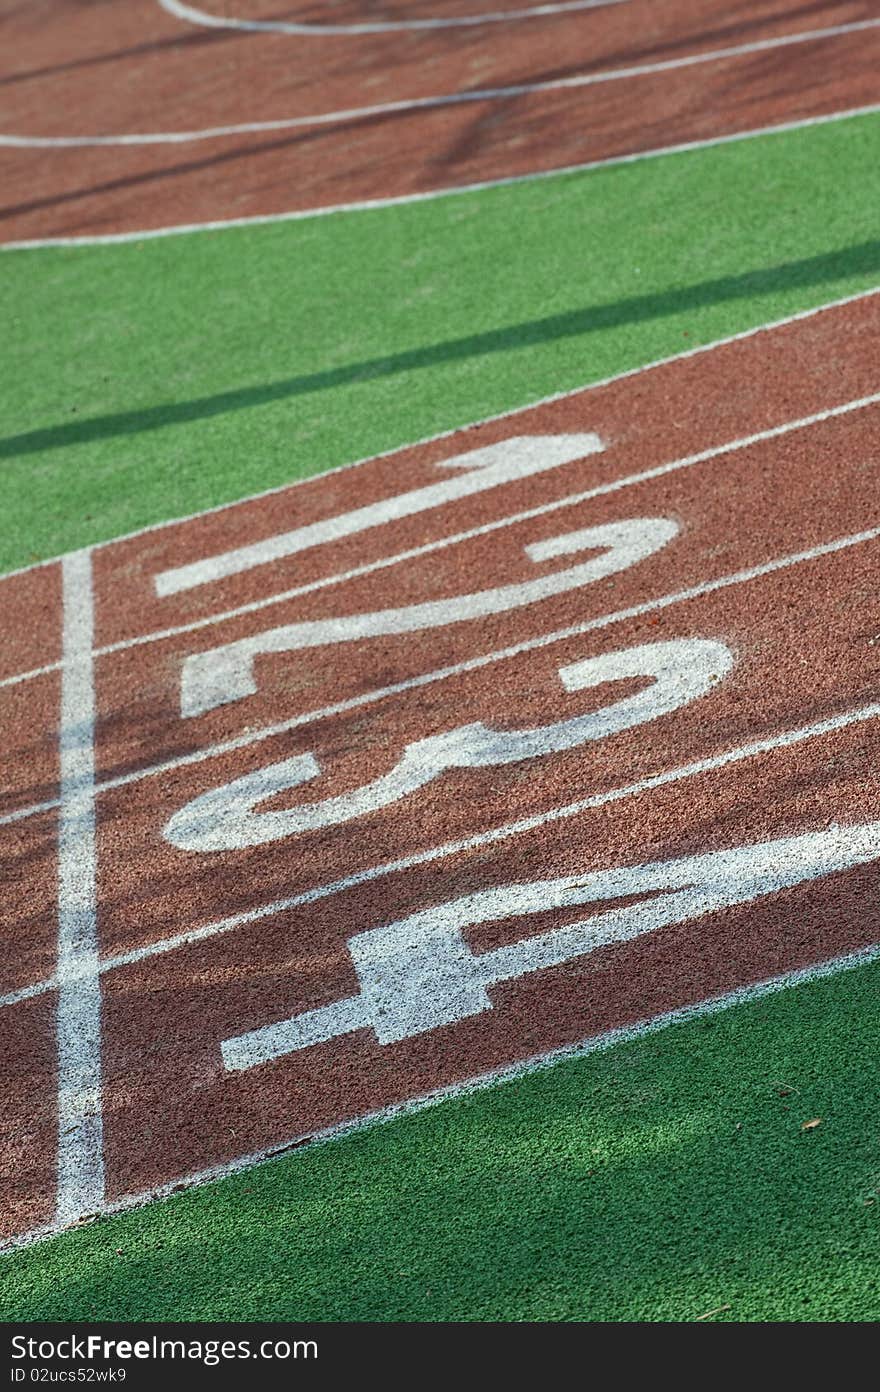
point(226, 818)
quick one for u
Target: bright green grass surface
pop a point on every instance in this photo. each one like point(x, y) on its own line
point(145, 381)
point(657, 1181)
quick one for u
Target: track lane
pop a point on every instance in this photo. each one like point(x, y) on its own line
point(94, 191)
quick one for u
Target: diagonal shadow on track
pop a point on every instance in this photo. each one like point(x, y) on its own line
point(862, 259)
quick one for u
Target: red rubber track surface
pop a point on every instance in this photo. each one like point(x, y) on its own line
point(123, 69)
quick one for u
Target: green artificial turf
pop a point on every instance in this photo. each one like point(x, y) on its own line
point(664, 1179)
point(147, 380)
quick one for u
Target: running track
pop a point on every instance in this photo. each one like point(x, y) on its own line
point(151, 115)
point(422, 771)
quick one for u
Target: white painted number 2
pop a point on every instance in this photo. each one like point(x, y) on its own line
point(225, 674)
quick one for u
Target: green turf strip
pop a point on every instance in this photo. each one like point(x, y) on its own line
point(661, 1180)
point(148, 380)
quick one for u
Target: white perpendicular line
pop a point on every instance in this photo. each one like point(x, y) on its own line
point(743, 335)
point(80, 1121)
point(506, 461)
point(441, 100)
point(451, 191)
point(816, 730)
point(191, 15)
point(535, 1063)
point(543, 640)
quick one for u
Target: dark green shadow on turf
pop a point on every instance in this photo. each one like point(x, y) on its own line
point(834, 266)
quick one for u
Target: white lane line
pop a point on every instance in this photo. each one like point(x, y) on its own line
point(32, 810)
point(191, 15)
point(801, 734)
point(472, 664)
point(462, 476)
point(28, 992)
point(537, 1063)
point(742, 336)
point(452, 191)
point(756, 748)
point(527, 514)
point(815, 730)
point(32, 674)
point(80, 1123)
point(419, 104)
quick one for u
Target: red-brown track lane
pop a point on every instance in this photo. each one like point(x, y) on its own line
point(91, 190)
point(30, 619)
point(28, 1125)
point(161, 74)
point(801, 646)
point(736, 511)
point(28, 901)
point(810, 486)
point(30, 638)
point(172, 1109)
point(646, 419)
point(29, 750)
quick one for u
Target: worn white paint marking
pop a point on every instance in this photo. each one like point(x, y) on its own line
point(857, 716)
point(537, 1063)
point(219, 676)
point(190, 14)
point(476, 471)
point(30, 675)
point(448, 99)
point(226, 818)
point(80, 1124)
point(420, 973)
point(335, 469)
point(755, 749)
point(666, 601)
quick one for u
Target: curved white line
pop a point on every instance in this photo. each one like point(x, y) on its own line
point(363, 113)
point(277, 26)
